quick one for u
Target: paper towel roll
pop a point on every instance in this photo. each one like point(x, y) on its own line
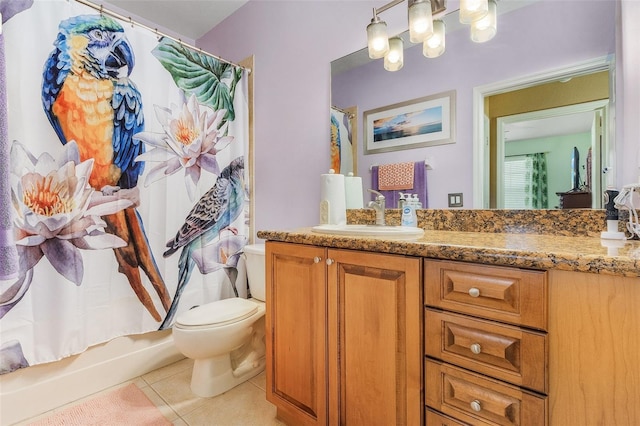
point(333, 209)
point(353, 191)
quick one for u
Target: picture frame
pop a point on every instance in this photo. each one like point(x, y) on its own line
point(426, 121)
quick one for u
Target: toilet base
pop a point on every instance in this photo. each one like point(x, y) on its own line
point(213, 376)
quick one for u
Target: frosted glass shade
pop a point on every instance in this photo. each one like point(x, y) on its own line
point(420, 21)
point(472, 10)
point(377, 39)
point(394, 59)
point(434, 46)
point(486, 28)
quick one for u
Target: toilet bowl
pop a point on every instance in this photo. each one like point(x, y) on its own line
point(225, 338)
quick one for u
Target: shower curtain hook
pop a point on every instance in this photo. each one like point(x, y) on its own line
point(131, 21)
point(101, 9)
point(158, 36)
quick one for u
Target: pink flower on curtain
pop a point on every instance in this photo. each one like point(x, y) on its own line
point(193, 135)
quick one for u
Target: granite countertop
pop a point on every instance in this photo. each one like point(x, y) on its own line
point(579, 252)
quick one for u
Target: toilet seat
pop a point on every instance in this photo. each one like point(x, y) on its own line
point(216, 314)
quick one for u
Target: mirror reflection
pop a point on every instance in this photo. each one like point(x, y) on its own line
point(548, 67)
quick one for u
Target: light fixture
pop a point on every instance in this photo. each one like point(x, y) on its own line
point(420, 21)
point(434, 46)
point(394, 59)
point(472, 10)
point(377, 38)
point(485, 29)
point(481, 14)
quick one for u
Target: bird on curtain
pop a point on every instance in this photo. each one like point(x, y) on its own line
point(214, 212)
point(88, 97)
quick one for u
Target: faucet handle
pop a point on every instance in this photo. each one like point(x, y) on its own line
point(379, 196)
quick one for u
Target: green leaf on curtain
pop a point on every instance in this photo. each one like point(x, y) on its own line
point(213, 82)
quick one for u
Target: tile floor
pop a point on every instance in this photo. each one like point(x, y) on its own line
point(169, 389)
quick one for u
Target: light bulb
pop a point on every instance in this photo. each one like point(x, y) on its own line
point(434, 46)
point(394, 59)
point(486, 28)
point(420, 21)
point(472, 10)
point(377, 40)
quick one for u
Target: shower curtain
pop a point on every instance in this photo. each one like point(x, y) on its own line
point(128, 171)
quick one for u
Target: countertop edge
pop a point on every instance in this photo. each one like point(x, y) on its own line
point(501, 256)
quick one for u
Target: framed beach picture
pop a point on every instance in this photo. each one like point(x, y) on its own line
point(416, 123)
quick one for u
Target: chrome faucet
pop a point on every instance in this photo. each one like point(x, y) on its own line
point(378, 205)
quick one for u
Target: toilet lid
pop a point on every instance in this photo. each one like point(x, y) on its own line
point(221, 312)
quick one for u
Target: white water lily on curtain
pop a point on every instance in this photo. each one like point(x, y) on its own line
point(128, 168)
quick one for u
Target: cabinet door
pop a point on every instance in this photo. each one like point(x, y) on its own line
point(296, 332)
point(375, 350)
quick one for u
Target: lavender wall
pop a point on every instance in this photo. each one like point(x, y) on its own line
point(294, 43)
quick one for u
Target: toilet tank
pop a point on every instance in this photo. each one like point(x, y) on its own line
point(254, 254)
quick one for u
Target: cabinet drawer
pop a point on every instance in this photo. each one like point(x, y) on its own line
point(505, 352)
point(501, 293)
point(474, 399)
point(433, 418)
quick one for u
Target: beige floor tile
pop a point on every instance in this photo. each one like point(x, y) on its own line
point(243, 405)
point(168, 370)
point(176, 392)
point(157, 400)
point(260, 380)
point(179, 422)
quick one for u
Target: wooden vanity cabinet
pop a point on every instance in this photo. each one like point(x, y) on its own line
point(344, 336)
point(296, 332)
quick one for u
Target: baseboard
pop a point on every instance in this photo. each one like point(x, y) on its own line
point(34, 390)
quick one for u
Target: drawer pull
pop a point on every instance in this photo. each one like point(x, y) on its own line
point(329, 261)
point(476, 348)
point(474, 292)
point(317, 259)
point(475, 406)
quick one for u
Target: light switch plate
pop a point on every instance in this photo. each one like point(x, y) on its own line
point(455, 199)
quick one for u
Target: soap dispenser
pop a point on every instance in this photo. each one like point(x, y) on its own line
point(409, 216)
point(611, 216)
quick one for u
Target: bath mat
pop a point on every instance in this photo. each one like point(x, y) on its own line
point(127, 405)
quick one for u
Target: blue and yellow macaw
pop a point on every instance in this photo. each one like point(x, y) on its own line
point(88, 97)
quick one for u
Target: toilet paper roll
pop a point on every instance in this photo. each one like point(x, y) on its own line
point(353, 192)
point(333, 209)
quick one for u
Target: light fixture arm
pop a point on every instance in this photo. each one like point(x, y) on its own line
point(437, 6)
point(386, 7)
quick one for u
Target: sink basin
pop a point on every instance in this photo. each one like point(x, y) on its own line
point(387, 231)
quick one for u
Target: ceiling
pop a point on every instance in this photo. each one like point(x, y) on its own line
point(189, 18)
point(553, 126)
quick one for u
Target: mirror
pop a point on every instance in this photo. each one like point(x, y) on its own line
point(538, 42)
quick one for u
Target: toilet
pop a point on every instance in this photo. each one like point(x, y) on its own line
point(225, 338)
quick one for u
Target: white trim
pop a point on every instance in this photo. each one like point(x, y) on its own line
point(480, 165)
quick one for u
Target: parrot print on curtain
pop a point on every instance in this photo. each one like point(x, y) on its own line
point(139, 152)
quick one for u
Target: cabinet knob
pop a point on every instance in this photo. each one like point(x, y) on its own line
point(476, 348)
point(475, 405)
point(329, 261)
point(474, 292)
point(317, 259)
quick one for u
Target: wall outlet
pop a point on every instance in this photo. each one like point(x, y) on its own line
point(455, 200)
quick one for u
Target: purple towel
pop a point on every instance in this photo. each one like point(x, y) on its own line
point(419, 187)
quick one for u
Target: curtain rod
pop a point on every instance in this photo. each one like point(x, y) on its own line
point(345, 112)
point(102, 10)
